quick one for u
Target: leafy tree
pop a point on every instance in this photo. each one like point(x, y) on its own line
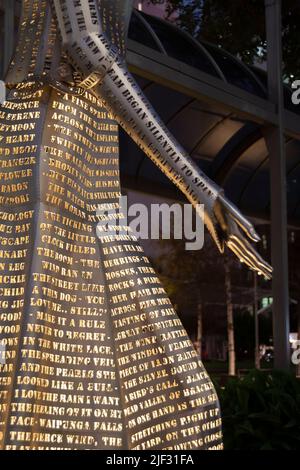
point(195, 280)
point(213, 289)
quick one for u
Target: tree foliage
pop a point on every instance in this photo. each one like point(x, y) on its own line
point(261, 411)
point(239, 27)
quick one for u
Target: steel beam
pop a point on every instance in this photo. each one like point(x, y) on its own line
point(274, 136)
point(174, 74)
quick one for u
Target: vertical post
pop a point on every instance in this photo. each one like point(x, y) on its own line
point(199, 329)
point(276, 147)
point(298, 336)
point(9, 33)
point(256, 325)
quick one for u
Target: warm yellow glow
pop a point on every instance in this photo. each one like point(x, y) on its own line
point(96, 355)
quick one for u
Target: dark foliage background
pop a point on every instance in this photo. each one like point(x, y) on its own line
point(261, 411)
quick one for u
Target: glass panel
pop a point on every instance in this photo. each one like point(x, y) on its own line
point(234, 72)
point(139, 33)
point(179, 47)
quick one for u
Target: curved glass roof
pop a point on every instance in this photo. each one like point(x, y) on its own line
point(165, 37)
point(181, 46)
point(230, 149)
